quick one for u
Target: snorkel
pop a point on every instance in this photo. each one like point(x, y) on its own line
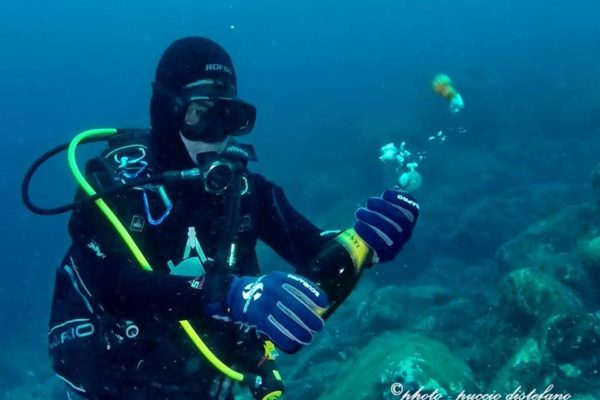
point(267, 387)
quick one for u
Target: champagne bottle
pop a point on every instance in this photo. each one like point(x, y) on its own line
point(338, 267)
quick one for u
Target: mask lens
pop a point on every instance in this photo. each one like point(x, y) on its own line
point(212, 120)
point(196, 112)
point(238, 117)
point(202, 121)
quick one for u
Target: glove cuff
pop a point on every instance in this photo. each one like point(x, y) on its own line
point(217, 304)
point(234, 301)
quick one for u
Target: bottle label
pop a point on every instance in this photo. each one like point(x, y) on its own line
point(355, 246)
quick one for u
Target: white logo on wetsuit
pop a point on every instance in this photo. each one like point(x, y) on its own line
point(95, 247)
point(137, 223)
point(68, 334)
point(190, 266)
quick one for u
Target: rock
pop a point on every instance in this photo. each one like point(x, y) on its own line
point(588, 253)
point(456, 275)
point(398, 307)
point(490, 353)
point(309, 383)
point(532, 297)
point(571, 342)
point(523, 369)
point(572, 336)
point(590, 258)
point(566, 268)
point(549, 247)
point(458, 314)
point(573, 377)
point(412, 360)
point(39, 389)
point(596, 180)
point(492, 220)
point(591, 251)
point(563, 353)
point(536, 246)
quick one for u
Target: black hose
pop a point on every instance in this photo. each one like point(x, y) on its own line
point(231, 222)
point(27, 180)
point(69, 207)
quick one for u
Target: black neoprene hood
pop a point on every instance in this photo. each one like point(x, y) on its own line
point(186, 61)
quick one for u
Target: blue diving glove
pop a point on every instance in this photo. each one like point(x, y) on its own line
point(387, 222)
point(283, 306)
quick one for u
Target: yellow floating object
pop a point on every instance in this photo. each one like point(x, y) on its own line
point(442, 85)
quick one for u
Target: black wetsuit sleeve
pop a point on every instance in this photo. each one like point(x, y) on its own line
point(283, 228)
point(118, 284)
point(121, 288)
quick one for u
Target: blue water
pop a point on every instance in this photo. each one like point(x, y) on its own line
point(333, 81)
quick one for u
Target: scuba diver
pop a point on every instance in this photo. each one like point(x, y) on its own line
point(182, 197)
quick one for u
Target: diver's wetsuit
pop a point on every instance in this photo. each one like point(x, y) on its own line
point(113, 330)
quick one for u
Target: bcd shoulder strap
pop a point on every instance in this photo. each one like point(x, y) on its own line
point(126, 156)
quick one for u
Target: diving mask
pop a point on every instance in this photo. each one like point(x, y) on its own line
point(211, 111)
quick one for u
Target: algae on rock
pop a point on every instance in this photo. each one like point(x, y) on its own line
point(413, 360)
point(537, 296)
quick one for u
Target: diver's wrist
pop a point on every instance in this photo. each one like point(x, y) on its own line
point(217, 299)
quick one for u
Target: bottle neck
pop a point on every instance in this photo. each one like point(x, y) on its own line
point(358, 250)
